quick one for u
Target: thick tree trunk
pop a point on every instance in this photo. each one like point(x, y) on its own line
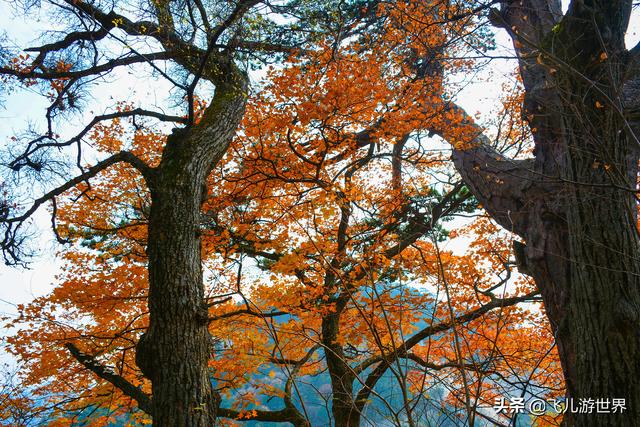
point(574, 204)
point(604, 306)
point(177, 339)
point(582, 250)
point(175, 350)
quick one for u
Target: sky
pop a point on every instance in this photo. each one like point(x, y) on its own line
point(19, 286)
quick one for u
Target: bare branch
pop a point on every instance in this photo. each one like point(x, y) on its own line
point(70, 39)
point(247, 312)
point(420, 225)
point(37, 144)
point(403, 350)
point(96, 69)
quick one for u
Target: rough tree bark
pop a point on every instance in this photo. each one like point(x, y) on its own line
point(342, 376)
point(202, 40)
point(175, 350)
point(574, 204)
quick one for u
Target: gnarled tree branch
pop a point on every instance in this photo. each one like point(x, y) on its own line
point(128, 389)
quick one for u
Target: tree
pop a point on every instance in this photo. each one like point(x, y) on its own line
point(575, 202)
point(332, 195)
point(327, 189)
point(204, 42)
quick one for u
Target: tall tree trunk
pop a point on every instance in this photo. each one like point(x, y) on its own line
point(177, 339)
point(582, 249)
point(175, 350)
point(343, 408)
point(574, 204)
point(603, 307)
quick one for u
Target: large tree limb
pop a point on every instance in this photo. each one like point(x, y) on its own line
point(247, 312)
point(282, 415)
point(501, 184)
point(128, 389)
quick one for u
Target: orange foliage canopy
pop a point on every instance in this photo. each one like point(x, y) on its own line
point(324, 233)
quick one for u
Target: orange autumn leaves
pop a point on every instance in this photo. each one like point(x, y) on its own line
point(304, 208)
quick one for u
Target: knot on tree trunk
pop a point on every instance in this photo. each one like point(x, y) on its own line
point(144, 357)
point(521, 257)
